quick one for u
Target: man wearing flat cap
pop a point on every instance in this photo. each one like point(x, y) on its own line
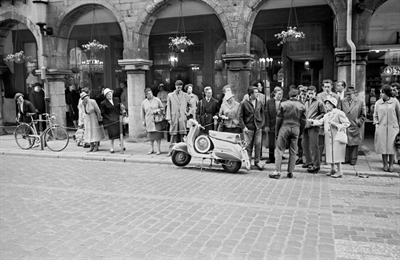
point(177, 105)
point(23, 108)
point(354, 108)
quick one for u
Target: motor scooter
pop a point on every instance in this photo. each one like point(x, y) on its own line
point(222, 148)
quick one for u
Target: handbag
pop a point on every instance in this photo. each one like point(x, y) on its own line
point(125, 120)
point(397, 141)
point(341, 136)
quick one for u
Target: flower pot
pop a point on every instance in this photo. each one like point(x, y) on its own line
point(94, 49)
point(181, 46)
point(19, 61)
point(292, 39)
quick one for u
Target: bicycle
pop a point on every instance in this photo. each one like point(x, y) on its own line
point(55, 137)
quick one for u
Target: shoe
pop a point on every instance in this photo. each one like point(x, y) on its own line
point(337, 175)
point(150, 152)
point(353, 163)
point(275, 175)
point(258, 166)
point(391, 168)
point(121, 146)
point(385, 168)
point(346, 162)
point(269, 161)
point(158, 153)
point(306, 165)
point(289, 175)
point(299, 161)
point(331, 172)
point(398, 162)
point(111, 151)
point(313, 169)
point(169, 154)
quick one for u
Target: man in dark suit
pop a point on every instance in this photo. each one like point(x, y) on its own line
point(24, 107)
point(271, 110)
point(207, 110)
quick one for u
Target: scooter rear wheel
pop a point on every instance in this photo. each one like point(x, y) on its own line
point(232, 166)
point(180, 158)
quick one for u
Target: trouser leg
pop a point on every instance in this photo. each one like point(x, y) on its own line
point(249, 138)
point(280, 148)
point(300, 148)
point(271, 144)
point(353, 154)
point(306, 145)
point(314, 142)
point(294, 135)
point(321, 145)
point(257, 145)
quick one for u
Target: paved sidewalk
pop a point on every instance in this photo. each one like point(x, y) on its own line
point(369, 163)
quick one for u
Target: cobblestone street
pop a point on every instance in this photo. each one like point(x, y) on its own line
point(77, 209)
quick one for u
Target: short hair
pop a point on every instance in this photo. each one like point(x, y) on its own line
point(250, 91)
point(276, 89)
point(341, 81)
point(161, 85)
point(255, 83)
point(312, 88)
point(38, 84)
point(395, 84)
point(187, 86)
point(207, 88)
point(225, 87)
point(123, 81)
point(147, 90)
point(387, 90)
point(293, 92)
point(327, 81)
point(86, 90)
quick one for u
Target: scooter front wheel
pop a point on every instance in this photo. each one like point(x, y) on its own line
point(232, 166)
point(180, 158)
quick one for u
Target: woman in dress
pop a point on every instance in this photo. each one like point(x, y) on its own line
point(229, 113)
point(111, 109)
point(152, 107)
point(333, 121)
point(192, 103)
point(91, 120)
point(386, 121)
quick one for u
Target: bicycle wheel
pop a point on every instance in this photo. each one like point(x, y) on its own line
point(23, 136)
point(56, 138)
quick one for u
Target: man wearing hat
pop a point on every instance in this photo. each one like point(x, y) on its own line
point(354, 108)
point(23, 108)
point(177, 105)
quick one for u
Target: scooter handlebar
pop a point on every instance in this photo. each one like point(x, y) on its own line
point(194, 122)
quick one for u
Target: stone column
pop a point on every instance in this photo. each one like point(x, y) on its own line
point(2, 129)
point(343, 61)
point(136, 83)
point(55, 94)
point(238, 72)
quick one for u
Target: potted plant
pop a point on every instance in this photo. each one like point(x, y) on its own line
point(290, 35)
point(18, 57)
point(179, 43)
point(94, 46)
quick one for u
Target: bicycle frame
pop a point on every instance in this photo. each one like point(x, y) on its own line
point(36, 135)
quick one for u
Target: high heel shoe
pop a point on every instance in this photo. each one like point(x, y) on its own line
point(313, 169)
point(331, 172)
point(391, 168)
point(337, 175)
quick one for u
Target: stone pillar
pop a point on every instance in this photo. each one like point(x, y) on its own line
point(136, 83)
point(343, 61)
point(55, 94)
point(2, 129)
point(238, 72)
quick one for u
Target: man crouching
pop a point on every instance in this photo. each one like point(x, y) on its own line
point(290, 120)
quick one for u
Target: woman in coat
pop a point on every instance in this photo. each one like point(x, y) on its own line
point(151, 108)
point(91, 120)
point(386, 121)
point(229, 112)
point(111, 109)
point(192, 103)
point(333, 121)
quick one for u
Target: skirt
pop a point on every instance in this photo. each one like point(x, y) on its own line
point(155, 135)
point(113, 131)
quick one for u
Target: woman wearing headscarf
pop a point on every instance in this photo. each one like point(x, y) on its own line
point(192, 103)
point(111, 109)
point(229, 113)
point(162, 94)
point(151, 108)
point(91, 120)
point(333, 121)
point(386, 121)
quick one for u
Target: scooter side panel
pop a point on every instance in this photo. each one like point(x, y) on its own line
point(180, 147)
point(225, 155)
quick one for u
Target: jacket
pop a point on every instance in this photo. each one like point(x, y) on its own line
point(355, 112)
point(27, 107)
point(270, 113)
point(292, 114)
point(250, 116)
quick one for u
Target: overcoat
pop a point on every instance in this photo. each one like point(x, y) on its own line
point(386, 120)
point(110, 115)
point(206, 111)
point(355, 112)
point(339, 149)
point(27, 107)
point(91, 117)
point(177, 106)
point(148, 107)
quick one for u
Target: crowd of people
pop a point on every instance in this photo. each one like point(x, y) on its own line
point(311, 125)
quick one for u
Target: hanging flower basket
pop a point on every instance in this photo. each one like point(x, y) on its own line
point(180, 43)
point(94, 46)
point(291, 35)
point(18, 57)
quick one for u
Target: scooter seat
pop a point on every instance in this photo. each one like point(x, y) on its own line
point(230, 137)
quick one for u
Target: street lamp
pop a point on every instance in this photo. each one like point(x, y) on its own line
point(40, 10)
